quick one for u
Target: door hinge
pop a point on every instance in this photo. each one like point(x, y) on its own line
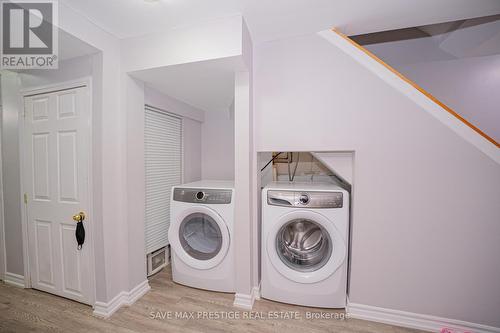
point(25, 198)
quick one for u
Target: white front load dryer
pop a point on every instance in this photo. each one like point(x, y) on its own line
point(304, 244)
point(200, 235)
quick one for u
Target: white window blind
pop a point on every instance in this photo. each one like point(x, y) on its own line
point(163, 159)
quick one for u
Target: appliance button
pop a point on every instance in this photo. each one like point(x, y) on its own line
point(200, 195)
point(304, 199)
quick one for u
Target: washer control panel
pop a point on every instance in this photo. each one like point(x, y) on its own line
point(205, 196)
point(310, 199)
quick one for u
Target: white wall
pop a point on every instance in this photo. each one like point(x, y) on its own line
point(69, 70)
point(217, 146)
point(341, 163)
point(244, 199)
point(11, 172)
point(425, 220)
point(212, 39)
point(136, 209)
point(469, 86)
point(159, 100)
point(191, 141)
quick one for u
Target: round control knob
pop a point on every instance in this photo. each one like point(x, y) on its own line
point(200, 195)
point(304, 199)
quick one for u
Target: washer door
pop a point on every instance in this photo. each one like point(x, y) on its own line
point(200, 237)
point(305, 247)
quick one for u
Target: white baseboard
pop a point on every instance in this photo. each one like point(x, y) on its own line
point(14, 279)
point(140, 290)
point(256, 292)
point(415, 320)
point(106, 310)
point(245, 301)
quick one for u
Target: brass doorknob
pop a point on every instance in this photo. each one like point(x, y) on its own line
point(79, 217)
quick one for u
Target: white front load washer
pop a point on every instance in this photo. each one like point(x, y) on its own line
point(305, 230)
point(200, 235)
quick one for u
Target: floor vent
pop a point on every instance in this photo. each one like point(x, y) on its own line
point(157, 260)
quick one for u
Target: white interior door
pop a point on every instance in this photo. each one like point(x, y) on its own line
point(56, 181)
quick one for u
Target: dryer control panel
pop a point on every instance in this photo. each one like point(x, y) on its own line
point(309, 199)
point(205, 196)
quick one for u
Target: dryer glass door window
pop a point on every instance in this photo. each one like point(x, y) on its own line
point(303, 245)
point(200, 236)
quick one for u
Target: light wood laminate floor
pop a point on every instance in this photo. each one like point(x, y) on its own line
point(27, 310)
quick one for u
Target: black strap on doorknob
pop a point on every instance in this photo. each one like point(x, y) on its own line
point(80, 230)
point(80, 234)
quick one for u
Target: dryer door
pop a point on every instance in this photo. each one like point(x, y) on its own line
point(305, 246)
point(200, 237)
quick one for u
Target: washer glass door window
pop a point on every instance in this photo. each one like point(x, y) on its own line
point(303, 245)
point(200, 236)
